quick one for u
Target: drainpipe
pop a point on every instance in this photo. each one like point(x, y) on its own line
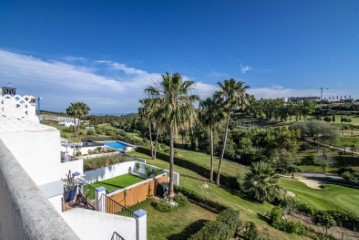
point(38, 107)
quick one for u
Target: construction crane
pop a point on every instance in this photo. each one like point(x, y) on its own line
point(321, 92)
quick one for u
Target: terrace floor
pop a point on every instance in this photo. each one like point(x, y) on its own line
point(112, 184)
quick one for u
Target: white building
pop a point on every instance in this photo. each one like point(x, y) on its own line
point(31, 171)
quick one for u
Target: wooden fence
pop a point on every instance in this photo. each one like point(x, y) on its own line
point(131, 196)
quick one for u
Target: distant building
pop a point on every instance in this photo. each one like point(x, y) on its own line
point(302, 99)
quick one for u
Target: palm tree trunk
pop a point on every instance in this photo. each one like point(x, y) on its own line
point(150, 132)
point(211, 136)
point(156, 143)
point(171, 193)
point(223, 149)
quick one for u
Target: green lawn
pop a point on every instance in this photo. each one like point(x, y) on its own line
point(175, 225)
point(192, 181)
point(112, 184)
point(330, 197)
point(348, 141)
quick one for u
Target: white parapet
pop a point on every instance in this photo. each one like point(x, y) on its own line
point(19, 107)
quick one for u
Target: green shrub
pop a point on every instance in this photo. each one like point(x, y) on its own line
point(201, 201)
point(275, 219)
point(224, 227)
point(162, 205)
point(248, 230)
point(180, 199)
point(211, 231)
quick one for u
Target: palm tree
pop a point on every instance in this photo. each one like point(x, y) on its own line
point(77, 110)
point(211, 115)
point(176, 109)
point(231, 95)
point(261, 183)
point(146, 114)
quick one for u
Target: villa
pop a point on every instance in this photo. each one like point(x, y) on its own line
point(33, 204)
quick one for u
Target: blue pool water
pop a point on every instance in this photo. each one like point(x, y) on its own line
point(115, 145)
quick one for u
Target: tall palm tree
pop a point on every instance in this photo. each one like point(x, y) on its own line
point(78, 110)
point(146, 114)
point(262, 184)
point(176, 109)
point(211, 115)
point(231, 95)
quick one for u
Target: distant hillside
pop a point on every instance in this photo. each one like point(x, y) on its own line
point(62, 114)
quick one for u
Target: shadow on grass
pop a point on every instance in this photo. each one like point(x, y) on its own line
point(189, 230)
point(344, 161)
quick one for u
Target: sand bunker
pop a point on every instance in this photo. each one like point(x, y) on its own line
point(315, 184)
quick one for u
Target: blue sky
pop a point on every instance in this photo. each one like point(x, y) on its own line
point(105, 53)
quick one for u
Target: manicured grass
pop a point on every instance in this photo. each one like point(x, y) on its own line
point(190, 180)
point(229, 168)
point(330, 197)
point(118, 182)
point(112, 184)
point(317, 169)
point(348, 141)
point(177, 224)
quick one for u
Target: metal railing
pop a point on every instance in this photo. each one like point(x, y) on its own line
point(87, 190)
point(116, 236)
point(114, 207)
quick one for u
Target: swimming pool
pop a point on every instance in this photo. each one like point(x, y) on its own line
point(116, 145)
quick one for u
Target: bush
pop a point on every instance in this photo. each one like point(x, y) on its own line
point(162, 205)
point(248, 230)
point(327, 119)
point(201, 201)
point(224, 227)
point(309, 160)
point(346, 219)
point(181, 200)
point(275, 219)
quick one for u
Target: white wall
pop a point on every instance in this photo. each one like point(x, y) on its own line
point(38, 152)
point(74, 166)
point(94, 225)
point(56, 202)
point(118, 169)
point(24, 211)
point(111, 171)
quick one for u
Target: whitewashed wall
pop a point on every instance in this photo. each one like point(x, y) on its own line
point(38, 152)
point(94, 225)
point(118, 169)
point(107, 172)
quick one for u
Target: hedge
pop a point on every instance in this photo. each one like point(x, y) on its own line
point(201, 201)
point(226, 180)
point(344, 218)
point(224, 227)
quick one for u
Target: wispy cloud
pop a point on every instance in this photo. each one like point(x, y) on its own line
point(106, 86)
point(217, 74)
point(75, 59)
point(245, 68)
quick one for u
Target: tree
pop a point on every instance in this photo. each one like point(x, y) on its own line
point(262, 184)
point(176, 109)
point(324, 219)
point(231, 95)
point(211, 115)
point(77, 110)
point(146, 112)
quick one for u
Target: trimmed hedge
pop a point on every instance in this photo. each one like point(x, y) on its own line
point(224, 227)
point(344, 218)
point(201, 201)
point(226, 180)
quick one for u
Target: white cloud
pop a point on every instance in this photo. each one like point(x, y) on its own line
point(61, 83)
point(75, 59)
point(245, 69)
